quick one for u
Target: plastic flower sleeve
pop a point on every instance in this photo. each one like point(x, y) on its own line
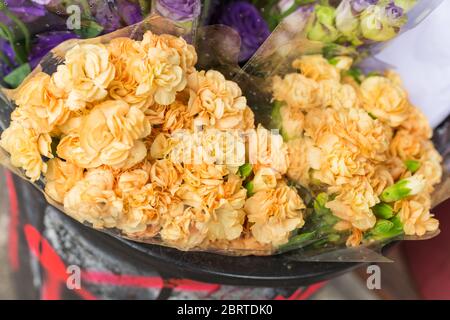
point(217, 48)
point(324, 236)
point(222, 56)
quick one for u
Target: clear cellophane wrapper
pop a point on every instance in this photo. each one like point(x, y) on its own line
point(218, 48)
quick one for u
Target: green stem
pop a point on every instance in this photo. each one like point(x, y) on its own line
point(5, 59)
point(23, 28)
point(6, 33)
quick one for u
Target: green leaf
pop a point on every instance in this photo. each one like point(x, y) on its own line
point(15, 77)
point(245, 170)
point(413, 165)
point(89, 29)
point(383, 210)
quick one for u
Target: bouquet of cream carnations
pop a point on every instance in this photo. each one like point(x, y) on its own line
point(126, 134)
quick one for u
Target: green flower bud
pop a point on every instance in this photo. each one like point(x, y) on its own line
point(346, 22)
point(250, 187)
point(413, 165)
point(381, 23)
point(382, 227)
point(323, 29)
point(245, 170)
point(403, 188)
point(319, 204)
point(383, 210)
point(298, 241)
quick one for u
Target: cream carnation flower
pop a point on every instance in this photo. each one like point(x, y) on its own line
point(202, 185)
point(297, 91)
point(132, 181)
point(267, 149)
point(430, 165)
point(417, 124)
point(386, 100)
point(275, 213)
point(93, 200)
point(85, 75)
point(159, 74)
point(333, 94)
point(215, 101)
point(415, 215)
point(227, 224)
point(292, 122)
point(39, 108)
point(317, 68)
point(185, 228)
point(228, 217)
point(353, 203)
point(357, 131)
point(186, 52)
point(166, 175)
point(405, 145)
point(265, 178)
point(302, 157)
point(107, 135)
point(60, 177)
point(26, 148)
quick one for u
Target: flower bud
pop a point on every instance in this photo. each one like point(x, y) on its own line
point(323, 28)
point(404, 188)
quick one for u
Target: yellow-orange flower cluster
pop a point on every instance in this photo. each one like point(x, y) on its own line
point(353, 140)
point(114, 131)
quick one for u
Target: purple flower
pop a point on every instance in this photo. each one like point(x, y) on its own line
point(247, 21)
point(179, 10)
point(393, 12)
point(129, 12)
point(106, 15)
point(45, 42)
point(6, 49)
point(24, 10)
point(114, 16)
point(361, 5)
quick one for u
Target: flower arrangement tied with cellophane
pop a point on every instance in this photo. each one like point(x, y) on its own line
point(154, 133)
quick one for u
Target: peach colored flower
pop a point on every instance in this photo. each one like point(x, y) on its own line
point(26, 148)
point(93, 200)
point(215, 101)
point(417, 124)
point(292, 122)
point(317, 68)
point(275, 213)
point(415, 215)
point(298, 91)
point(353, 202)
point(268, 149)
point(60, 177)
point(405, 145)
point(385, 100)
point(39, 108)
point(108, 135)
point(85, 75)
point(185, 228)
